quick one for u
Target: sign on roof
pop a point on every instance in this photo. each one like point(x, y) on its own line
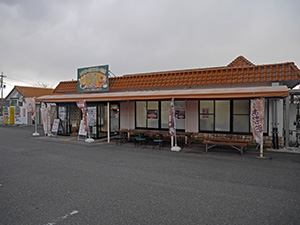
point(92, 79)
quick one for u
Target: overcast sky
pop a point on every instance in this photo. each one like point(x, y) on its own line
point(46, 41)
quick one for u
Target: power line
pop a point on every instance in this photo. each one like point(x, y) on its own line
point(8, 83)
point(23, 81)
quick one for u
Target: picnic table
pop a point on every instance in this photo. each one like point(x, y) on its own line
point(160, 133)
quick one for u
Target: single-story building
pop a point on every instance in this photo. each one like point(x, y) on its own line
point(209, 102)
point(19, 93)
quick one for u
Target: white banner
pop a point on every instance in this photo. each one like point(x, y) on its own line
point(82, 129)
point(257, 119)
point(172, 128)
point(30, 104)
point(45, 114)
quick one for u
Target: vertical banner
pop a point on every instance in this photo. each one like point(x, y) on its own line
point(91, 116)
point(83, 124)
point(45, 114)
point(5, 114)
point(18, 116)
point(30, 104)
point(172, 119)
point(24, 115)
point(55, 125)
point(257, 119)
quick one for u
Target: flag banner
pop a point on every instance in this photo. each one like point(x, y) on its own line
point(5, 114)
point(82, 129)
point(24, 115)
point(83, 126)
point(257, 119)
point(55, 126)
point(18, 119)
point(30, 104)
point(172, 119)
point(45, 114)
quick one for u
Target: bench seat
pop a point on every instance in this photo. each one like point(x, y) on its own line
point(236, 144)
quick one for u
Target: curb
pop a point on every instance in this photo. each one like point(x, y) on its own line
point(292, 150)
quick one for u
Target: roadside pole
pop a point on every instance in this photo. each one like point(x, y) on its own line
point(108, 122)
point(2, 87)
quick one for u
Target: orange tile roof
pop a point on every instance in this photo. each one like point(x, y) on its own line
point(239, 70)
point(29, 92)
point(240, 61)
point(66, 86)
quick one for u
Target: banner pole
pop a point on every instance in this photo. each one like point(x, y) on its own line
point(174, 148)
point(35, 128)
point(261, 149)
point(108, 122)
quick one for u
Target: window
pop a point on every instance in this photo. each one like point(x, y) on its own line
point(179, 115)
point(141, 114)
point(147, 114)
point(227, 116)
point(165, 112)
point(13, 102)
point(241, 118)
point(222, 115)
point(152, 115)
point(155, 114)
point(207, 115)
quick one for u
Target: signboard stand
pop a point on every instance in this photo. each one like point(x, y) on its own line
point(74, 126)
point(81, 131)
point(89, 140)
point(55, 126)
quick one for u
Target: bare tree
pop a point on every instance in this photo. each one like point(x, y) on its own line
point(43, 85)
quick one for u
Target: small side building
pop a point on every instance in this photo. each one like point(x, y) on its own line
point(19, 93)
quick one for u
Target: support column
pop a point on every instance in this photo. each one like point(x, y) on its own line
point(287, 122)
point(108, 122)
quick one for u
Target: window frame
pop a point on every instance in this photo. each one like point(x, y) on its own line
point(231, 117)
point(159, 115)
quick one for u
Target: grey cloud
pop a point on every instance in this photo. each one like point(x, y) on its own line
point(48, 40)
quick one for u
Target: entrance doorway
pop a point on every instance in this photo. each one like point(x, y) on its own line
point(97, 119)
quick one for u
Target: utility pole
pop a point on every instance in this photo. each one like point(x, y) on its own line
point(2, 87)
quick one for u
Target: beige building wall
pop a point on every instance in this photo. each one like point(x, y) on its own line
point(192, 116)
point(127, 115)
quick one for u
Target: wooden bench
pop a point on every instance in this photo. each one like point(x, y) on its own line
point(236, 144)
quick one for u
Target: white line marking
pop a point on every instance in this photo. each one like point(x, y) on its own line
point(74, 212)
point(59, 219)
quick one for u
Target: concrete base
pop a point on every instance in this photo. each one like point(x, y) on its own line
point(175, 149)
point(89, 140)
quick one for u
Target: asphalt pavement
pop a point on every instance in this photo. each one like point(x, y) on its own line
point(64, 181)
